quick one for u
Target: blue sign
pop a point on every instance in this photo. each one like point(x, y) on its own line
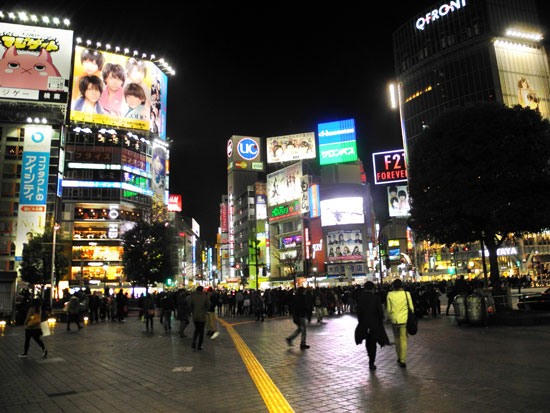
point(337, 142)
point(34, 178)
point(248, 149)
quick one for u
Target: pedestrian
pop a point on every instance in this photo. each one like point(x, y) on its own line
point(148, 311)
point(167, 306)
point(370, 327)
point(211, 321)
point(199, 307)
point(318, 306)
point(299, 315)
point(33, 329)
point(398, 303)
point(93, 307)
point(183, 312)
point(121, 305)
point(73, 312)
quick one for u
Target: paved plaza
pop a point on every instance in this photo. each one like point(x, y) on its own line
point(109, 367)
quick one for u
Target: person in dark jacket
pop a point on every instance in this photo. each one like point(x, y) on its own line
point(199, 308)
point(183, 311)
point(371, 322)
point(299, 317)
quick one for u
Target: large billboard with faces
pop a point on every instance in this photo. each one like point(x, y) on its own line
point(290, 148)
point(35, 63)
point(345, 245)
point(118, 90)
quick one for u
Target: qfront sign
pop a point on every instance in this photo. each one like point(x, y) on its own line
point(389, 167)
point(337, 142)
point(439, 13)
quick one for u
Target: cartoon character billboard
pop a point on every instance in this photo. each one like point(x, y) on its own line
point(118, 90)
point(35, 63)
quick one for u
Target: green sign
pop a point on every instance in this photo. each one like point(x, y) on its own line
point(338, 152)
point(286, 210)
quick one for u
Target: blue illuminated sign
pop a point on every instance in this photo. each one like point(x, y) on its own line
point(337, 142)
point(248, 149)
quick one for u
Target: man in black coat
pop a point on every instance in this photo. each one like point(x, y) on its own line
point(371, 322)
point(299, 316)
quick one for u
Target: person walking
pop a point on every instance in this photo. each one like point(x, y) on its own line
point(148, 311)
point(211, 321)
point(299, 316)
point(199, 307)
point(398, 303)
point(33, 329)
point(182, 307)
point(73, 312)
point(167, 306)
point(370, 327)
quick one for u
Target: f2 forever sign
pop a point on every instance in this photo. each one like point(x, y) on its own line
point(337, 142)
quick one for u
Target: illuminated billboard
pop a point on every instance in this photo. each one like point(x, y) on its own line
point(524, 75)
point(244, 154)
point(398, 201)
point(337, 142)
point(389, 167)
point(35, 63)
point(284, 185)
point(33, 192)
point(345, 245)
point(117, 90)
point(342, 211)
point(291, 147)
point(174, 203)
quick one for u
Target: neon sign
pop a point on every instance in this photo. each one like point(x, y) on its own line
point(436, 14)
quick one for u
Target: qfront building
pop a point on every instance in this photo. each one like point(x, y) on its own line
point(464, 51)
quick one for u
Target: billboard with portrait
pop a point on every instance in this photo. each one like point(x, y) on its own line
point(35, 63)
point(284, 185)
point(344, 245)
point(524, 76)
point(290, 148)
point(398, 201)
point(118, 90)
point(342, 211)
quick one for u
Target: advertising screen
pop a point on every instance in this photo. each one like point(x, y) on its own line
point(524, 76)
point(398, 201)
point(337, 142)
point(342, 211)
point(174, 203)
point(118, 90)
point(33, 193)
point(284, 185)
point(35, 63)
point(291, 147)
point(345, 245)
point(389, 167)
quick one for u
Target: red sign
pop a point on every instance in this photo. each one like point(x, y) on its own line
point(174, 203)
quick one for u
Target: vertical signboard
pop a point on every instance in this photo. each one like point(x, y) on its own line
point(33, 192)
point(337, 142)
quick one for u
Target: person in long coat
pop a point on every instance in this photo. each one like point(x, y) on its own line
point(371, 322)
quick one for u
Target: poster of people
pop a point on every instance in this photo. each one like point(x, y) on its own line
point(524, 78)
point(118, 90)
point(398, 201)
point(46, 51)
point(345, 245)
point(291, 147)
point(284, 185)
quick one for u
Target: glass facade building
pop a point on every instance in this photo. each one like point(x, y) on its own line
point(469, 51)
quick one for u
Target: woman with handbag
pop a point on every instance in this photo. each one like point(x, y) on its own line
point(33, 328)
point(398, 304)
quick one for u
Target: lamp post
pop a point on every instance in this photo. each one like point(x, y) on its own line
point(55, 228)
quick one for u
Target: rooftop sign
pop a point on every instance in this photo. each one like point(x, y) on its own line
point(438, 13)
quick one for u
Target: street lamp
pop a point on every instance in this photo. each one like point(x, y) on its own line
point(55, 228)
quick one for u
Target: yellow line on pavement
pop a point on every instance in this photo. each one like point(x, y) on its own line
point(273, 398)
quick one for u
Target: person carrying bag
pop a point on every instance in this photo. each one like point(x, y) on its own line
point(33, 328)
point(399, 304)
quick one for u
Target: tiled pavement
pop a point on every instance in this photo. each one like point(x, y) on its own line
point(118, 367)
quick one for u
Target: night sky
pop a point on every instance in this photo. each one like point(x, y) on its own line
point(259, 69)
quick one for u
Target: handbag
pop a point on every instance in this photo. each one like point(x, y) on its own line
point(412, 322)
point(45, 328)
